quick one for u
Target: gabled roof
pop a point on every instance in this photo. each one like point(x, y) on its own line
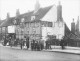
point(38, 15)
point(1, 21)
point(72, 36)
point(69, 34)
point(7, 22)
point(42, 12)
point(67, 30)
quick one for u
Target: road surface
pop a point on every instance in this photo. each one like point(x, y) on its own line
point(11, 54)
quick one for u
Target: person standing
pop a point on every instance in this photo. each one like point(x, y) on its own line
point(62, 42)
point(38, 45)
point(46, 44)
point(27, 42)
point(32, 45)
point(21, 43)
point(41, 45)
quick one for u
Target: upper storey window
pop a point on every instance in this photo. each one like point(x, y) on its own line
point(50, 24)
point(47, 24)
point(32, 17)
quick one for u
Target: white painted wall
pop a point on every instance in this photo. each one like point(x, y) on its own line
point(46, 31)
point(59, 30)
point(51, 15)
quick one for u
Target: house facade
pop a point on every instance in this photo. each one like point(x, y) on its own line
point(38, 24)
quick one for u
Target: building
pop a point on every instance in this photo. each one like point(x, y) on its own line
point(37, 24)
point(75, 27)
point(1, 29)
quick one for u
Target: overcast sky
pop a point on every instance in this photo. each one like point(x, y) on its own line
point(70, 8)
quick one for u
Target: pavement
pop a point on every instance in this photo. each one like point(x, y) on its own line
point(68, 49)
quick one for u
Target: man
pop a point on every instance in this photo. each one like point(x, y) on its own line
point(21, 43)
point(27, 42)
point(38, 45)
point(32, 45)
point(46, 44)
point(62, 42)
point(41, 45)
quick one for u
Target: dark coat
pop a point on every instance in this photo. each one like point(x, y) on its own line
point(62, 42)
point(27, 42)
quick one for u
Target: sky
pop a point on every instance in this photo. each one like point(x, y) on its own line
point(70, 8)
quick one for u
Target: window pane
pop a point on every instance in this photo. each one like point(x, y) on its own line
point(49, 24)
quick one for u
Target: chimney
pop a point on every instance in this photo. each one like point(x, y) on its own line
point(37, 6)
point(8, 16)
point(17, 13)
point(73, 26)
point(59, 12)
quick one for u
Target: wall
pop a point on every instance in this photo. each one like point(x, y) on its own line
point(32, 29)
point(46, 31)
point(58, 29)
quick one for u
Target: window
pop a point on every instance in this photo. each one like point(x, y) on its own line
point(49, 24)
point(36, 24)
point(44, 23)
point(32, 17)
point(32, 24)
point(33, 29)
point(27, 32)
point(3, 29)
point(34, 32)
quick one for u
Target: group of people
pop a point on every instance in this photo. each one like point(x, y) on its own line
point(8, 41)
point(48, 44)
point(24, 42)
point(63, 43)
point(36, 45)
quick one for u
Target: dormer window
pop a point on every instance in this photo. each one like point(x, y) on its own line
point(32, 17)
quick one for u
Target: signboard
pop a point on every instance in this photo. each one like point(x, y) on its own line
point(11, 29)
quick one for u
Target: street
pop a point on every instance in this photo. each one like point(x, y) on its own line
point(11, 54)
